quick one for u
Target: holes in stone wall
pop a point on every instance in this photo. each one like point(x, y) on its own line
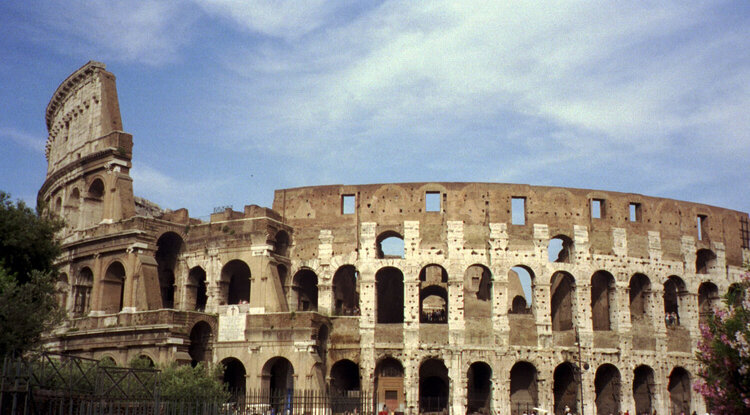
point(432, 202)
point(234, 377)
point(390, 244)
point(602, 299)
point(433, 386)
point(196, 295)
point(345, 380)
point(84, 282)
point(347, 204)
point(597, 208)
point(113, 288)
point(200, 338)
point(675, 294)
point(565, 388)
point(679, 391)
point(235, 283)
point(477, 292)
point(524, 391)
point(640, 299)
point(306, 287)
point(479, 388)
point(520, 289)
point(643, 389)
point(705, 260)
point(433, 295)
point(169, 247)
point(562, 304)
point(635, 212)
point(389, 284)
point(560, 249)
point(346, 291)
point(708, 298)
point(518, 210)
point(607, 388)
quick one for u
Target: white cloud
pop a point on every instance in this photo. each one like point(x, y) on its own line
point(142, 31)
point(26, 140)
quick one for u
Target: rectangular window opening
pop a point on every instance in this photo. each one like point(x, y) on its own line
point(635, 212)
point(518, 210)
point(701, 225)
point(597, 208)
point(347, 204)
point(432, 202)
point(745, 232)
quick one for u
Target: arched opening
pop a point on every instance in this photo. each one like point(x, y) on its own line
point(562, 302)
point(321, 343)
point(234, 378)
point(643, 389)
point(607, 387)
point(389, 385)
point(565, 388)
point(640, 299)
point(143, 362)
point(735, 294)
point(196, 294)
point(674, 291)
point(235, 283)
point(84, 282)
point(519, 306)
point(58, 205)
point(705, 261)
point(168, 249)
point(389, 282)
point(345, 377)
point(477, 293)
point(520, 289)
point(602, 299)
point(479, 388)
point(283, 274)
point(281, 244)
point(278, 382)
point(560, 249)
point(433, 305)
point(346, 291)
point(94, 202)
point(306, 287)
point(679, 391)
point(390, 244)
point(433, 295)
point(200, 340)
point(113, 288)
point(107, 361)
point(62, 290)
point(524, 392)
point(72, 207)
point(708, 298)
point(433, 386)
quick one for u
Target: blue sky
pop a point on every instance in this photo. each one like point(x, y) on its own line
point(228, 101)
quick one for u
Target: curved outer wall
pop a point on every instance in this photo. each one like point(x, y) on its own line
point(307, 283)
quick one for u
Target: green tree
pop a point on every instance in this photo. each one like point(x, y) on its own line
point(186, 383)
point(724, 353)
point(28, 250)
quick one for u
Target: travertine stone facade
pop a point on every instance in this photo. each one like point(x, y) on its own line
point(491, 298)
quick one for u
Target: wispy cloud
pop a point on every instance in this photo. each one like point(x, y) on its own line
point(28, 141)
point(135, 31)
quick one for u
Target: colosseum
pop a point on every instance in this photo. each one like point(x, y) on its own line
point(433, 297)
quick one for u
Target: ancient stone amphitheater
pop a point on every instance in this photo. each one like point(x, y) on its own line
point(434, 297)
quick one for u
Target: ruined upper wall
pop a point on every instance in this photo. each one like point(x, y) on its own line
point(479, 204)
point(83, 108)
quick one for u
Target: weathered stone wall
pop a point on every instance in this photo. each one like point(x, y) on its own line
point(309, 295)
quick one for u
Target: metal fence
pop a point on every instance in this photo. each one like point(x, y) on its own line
point(54, 384)
point(301, 402)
